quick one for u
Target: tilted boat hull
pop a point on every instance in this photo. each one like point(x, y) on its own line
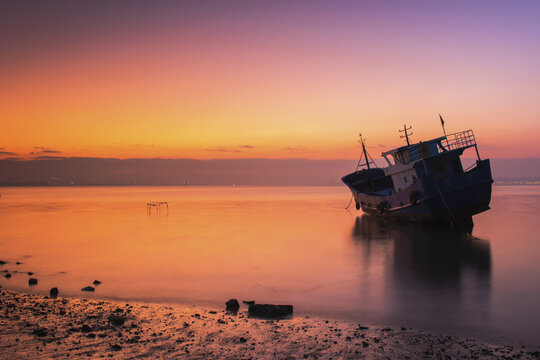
point(442, 200)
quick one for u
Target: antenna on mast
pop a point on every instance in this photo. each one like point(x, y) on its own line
point(406, 131)
point(442, 123)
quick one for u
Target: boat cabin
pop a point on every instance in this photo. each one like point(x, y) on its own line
point(442, 154)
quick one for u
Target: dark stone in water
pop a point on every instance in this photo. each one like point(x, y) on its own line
point(242, 340)
point(97, 282)
point(7, 276)
point(88, 288)
point(232, 305)
point(269, 311)
point(116, 320)
point(30, 273)
point(2, 262)
point(53, 293)
point(249, 302)
point(32, 281)
point(86, 329)
point(18, 263)
point(116, 347)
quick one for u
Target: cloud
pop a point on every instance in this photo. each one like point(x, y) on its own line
point(224, 149)
point(49, 157)
point(145, 145)
point(42, 150)
point(297, 149)
point(234, 149)
point(8, 153)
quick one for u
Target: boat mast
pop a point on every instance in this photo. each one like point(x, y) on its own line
point(406, 131)
point(365, 154)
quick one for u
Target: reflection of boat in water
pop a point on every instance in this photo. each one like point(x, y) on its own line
point(432, 275)
point(428, 246)
point(423, 181)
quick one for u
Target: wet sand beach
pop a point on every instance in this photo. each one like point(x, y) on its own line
point(37, 327)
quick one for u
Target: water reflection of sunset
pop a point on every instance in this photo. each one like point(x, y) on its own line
point(278, 245)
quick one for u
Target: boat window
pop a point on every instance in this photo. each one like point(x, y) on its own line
point(423, 150)
point(457, 167)
point(404, 179)
point(414, 179)
point(389, 159)
point(438, 169)
point(404, 157)
point(441, 147)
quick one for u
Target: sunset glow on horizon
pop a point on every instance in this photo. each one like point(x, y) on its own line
point(208, 80)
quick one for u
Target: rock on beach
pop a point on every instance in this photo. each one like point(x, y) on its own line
point(232, 305)
point(53, 293)
point(269, 311)
point(36, 328)
point(116, 320)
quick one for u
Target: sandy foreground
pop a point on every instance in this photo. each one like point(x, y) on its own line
point(36, 327)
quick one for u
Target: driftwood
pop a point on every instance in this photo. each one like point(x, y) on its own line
point(269, 311)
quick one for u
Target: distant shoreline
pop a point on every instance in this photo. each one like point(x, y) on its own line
point(497, 182)
point(215, 172)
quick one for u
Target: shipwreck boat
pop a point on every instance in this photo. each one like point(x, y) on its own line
point(423, 181)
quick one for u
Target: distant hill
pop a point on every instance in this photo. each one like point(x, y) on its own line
point(103, 171)
point(516, 169)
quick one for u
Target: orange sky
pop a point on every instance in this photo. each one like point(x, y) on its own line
point(278, 82)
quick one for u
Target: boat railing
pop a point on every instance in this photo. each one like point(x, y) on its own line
point(459, 140)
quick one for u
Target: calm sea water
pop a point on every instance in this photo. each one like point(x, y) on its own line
point(281, 245)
